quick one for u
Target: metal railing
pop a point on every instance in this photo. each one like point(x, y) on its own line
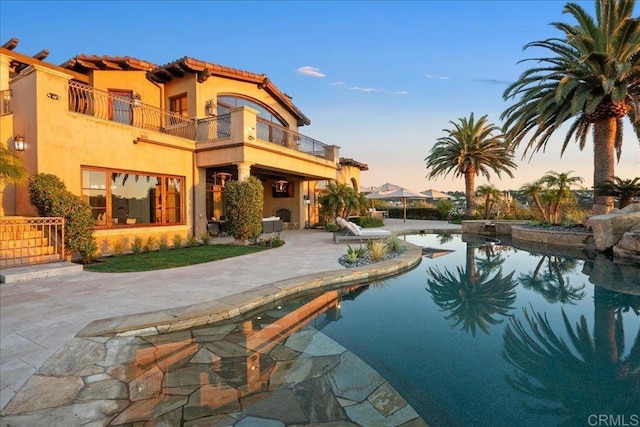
point(5, 102)
point(84, 99)
point(271, 132)
point(30, 240)
point(213, 128)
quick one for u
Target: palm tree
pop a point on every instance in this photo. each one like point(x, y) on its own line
point(471, 148)
point(625, 189)
point(592, 76)
point(534, 190)
point(11, 167)
point(560, 183)
point(340, 200)
point(491, 196)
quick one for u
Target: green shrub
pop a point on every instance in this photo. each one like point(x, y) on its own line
point(192, 241)
point(367, 222)
point(394, 243)
point(151, 244)
point(354, 254)
point(50, 197)
point(119, 246)
point(136, 246)
point(206, 238)
point(444, 208)
point(272, 242)
point(377, 250)
point(244, 204)
point(331, 227)
point(163, 243)
point(177, 241)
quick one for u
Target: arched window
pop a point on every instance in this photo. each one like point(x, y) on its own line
point(226, 102)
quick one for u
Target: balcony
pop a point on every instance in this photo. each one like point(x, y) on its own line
point(100, 104)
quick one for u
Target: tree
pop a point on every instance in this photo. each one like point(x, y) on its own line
point(340, 200)
point(625, 189)
point(49, 195)
point(471, 148)
point(244, 201)
point(11, 167)
point(534, 190)
point(560, 185)
point(592, 76)
point(491, 196)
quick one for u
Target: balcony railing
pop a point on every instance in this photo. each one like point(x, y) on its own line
point(129, 111)
point(213, 128)
point(269, 131)
point(84, 99)
point(5, 103)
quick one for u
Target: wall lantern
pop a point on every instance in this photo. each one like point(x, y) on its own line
point(210, 108)
point(18, 142)
point(281, 186)
point(307, 199)
point(136, 100)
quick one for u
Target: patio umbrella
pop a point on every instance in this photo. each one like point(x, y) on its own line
point(401, 193)
point(435, 194)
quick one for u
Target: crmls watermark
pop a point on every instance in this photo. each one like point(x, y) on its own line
point(612, 420)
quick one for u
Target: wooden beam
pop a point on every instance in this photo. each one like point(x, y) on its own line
point(42, 54)
point(28, 60)
point(11, 44)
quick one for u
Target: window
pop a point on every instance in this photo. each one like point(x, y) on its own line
point(179, 105)
point(124, 198)
point(229, 101)
point(119, 109)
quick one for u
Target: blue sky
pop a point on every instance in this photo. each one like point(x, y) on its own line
point(380, 79)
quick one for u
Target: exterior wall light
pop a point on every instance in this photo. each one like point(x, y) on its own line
point(307, 199)
point(210, 108)
point(136, 100)
point(18, 142)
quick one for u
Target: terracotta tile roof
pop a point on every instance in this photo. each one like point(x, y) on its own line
point(350, 162)
point(83, 63)
point(176, 69)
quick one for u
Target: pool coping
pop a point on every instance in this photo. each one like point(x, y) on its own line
point(233, 306)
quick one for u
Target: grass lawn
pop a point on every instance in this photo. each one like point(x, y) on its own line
point(170, 258)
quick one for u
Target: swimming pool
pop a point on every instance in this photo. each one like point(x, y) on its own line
point(478, 334)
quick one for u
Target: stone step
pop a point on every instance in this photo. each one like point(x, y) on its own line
point(23, 273)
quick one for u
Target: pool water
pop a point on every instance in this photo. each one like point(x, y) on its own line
point(478, 334)
point(484, 334)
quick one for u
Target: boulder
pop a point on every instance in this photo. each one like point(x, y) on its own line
point(608, 229)
point(629, 246)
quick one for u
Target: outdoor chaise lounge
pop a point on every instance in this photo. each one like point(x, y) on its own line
point(356, 233)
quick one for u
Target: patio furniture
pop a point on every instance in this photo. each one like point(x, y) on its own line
point(272, 224)
point(356, 233)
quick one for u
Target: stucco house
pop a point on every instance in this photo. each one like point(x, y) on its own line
point(150, 147)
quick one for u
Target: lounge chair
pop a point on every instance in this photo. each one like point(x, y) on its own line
point(353, 232)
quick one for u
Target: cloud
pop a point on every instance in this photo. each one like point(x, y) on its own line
point(364, 89)
point(492, 81)
point(308, 70)
point(338, 83)
point(401, 92)
point(431, 76)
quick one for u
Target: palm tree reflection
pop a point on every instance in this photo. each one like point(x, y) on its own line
point(551, 282)
point(474, 298)
point(587, 375)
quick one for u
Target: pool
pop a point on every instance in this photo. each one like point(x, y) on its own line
point(478, 334)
